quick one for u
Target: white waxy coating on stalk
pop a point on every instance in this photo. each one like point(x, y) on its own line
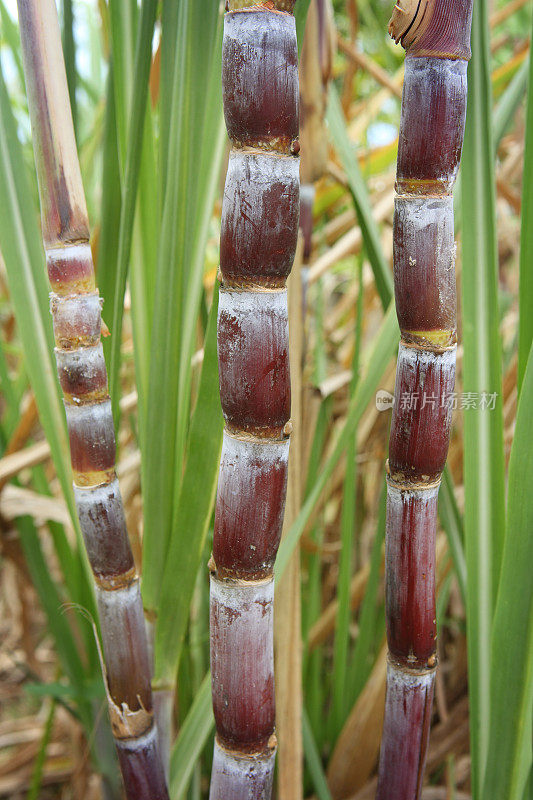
point(143, 742)
point(94, 421)
point(74, 252)
point(103, 525)
point(413, 358)
point(400, 680)
point(252, 774)
point(76, 314)
point(114, 606)
point(398, 496)
point(250, 304)
point(421, 216)
point(243, 455)
point(90, 358)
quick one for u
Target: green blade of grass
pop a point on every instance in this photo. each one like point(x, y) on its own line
point(300, 14)
point(363, 207)
point(525, 325)
point(38, 767)
point(58, 624)
point(191, 740)
point(69, 54)
point(312, 758)
point(483, 429)
point(511, 698)
point(195, 148)
point(143, 60)
point(362, 661)
point(123, 29)
point(194, 509)
point(342, 627)
point(452, 523)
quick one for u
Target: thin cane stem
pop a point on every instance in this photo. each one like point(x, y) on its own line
point(76, 308)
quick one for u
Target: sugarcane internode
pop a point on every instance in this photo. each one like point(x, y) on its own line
point(436, 36)
point(76, 311)
point(257, 246)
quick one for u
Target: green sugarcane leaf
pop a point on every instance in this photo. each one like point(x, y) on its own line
point(58, 623)
point(195, 145)
point(69, 54)
point(525, 325)
point(452, 523)
point(363, 207)
point(484, 471)
point(132, 160)
point(300, 15)
point(123, 29)
point(312, 758)
point(362, 661)
point(348, 530)
point(383, 350)
point(191, 740)
point(194, 509)
point(38, 767)
point(511, 691)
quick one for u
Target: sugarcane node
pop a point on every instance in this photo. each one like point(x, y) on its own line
point(409, 18)
point(267, 5)
point(400, 481)
point(128, 724)
point(248, 752)
point(111, 583)
point(429, 668)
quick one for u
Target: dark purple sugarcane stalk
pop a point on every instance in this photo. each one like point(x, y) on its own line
point(76, 307)
point(436, 36)
point(257, 246)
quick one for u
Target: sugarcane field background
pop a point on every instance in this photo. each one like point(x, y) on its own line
point(146, 101)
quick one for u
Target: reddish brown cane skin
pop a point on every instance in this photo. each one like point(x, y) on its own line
point(83, 377)
point(420, 428)
point(141, 768)
point(260, 80)
point(258, 240)
point(260, 207)
point(242, 663)
point(103, 526)
point(253, 361)
point(433, 119)
point(424, 278)
point(410, 590)
point(429, 152)
point(72, 273)
point(76, 311)
point(249, 508)
point(405, 734)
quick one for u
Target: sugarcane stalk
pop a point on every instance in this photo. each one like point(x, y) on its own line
point(257, 246)
point(436, 36)
point(76, 311)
